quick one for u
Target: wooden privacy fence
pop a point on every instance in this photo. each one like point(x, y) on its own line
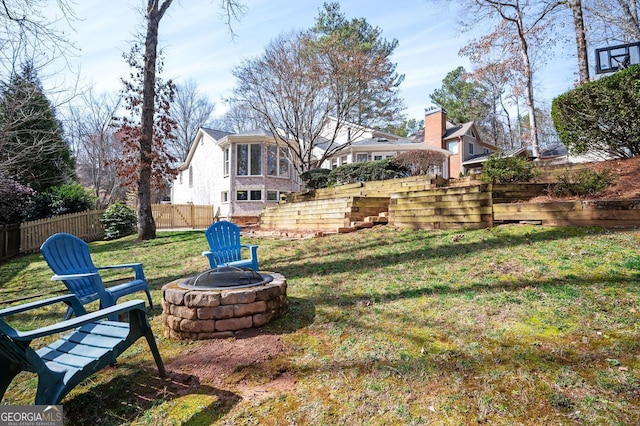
point(85, 225)
point(169, 216)
point(9, 241)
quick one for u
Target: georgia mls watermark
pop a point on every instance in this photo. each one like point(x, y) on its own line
point(31, 415)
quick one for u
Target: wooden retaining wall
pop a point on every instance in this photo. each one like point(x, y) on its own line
point(378, 188)
point(324, 215)
point(467, 207)
point(608, 213)
point(514, 192)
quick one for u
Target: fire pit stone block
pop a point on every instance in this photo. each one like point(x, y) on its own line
point(214, 314)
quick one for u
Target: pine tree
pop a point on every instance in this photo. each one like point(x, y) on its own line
point(32, 149)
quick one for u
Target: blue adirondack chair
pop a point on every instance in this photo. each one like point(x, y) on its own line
point(225, 248)
point(70, 260)
point(92, 344)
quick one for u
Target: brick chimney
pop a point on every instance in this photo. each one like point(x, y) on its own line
point(435, 126)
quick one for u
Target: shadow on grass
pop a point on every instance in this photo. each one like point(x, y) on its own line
point(556, 285)
point(299, 268)
point(139, 396)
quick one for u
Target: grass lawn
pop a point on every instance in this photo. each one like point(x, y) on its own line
point(512, 325)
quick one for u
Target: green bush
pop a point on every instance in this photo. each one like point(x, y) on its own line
point(119, 220)
point(315, 178)
point(582, 183)
point(500, 169)
point(602, 115)
point(367, 171)
point(59, 200)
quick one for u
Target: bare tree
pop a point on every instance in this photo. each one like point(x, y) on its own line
point(95, 144)
point(520, 30)
point(581, 39)
point(238, 118)
point(616, 21)
point(191, 110)
point(29, 34)
point(154, 13)
point(339, 70)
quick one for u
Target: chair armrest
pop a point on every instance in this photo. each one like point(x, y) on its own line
point(69, 299)
point(207, 253)
point(105, 298)
point(248, 246)
point(70, 277)
point(137, 268)
point(78, 321)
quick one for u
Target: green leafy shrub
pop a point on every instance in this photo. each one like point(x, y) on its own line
point(602, 115)
point(367, 171)
point(119, 220)
point(501, 169)
point(315, 178)
point(582, 183)
point(59, 200)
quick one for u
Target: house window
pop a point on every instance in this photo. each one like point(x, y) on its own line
point(470, 148)
point(272, 196)
point(255, 195)
point(277, 161)
point(334, 163)
point(343, 160)
point(227, 161)
point(453, 147)
point(249, 159)
point(361, 158)
point(485, 150)
point(190, 176)
point(242, 195)
point(225, 197)
point(377, 157)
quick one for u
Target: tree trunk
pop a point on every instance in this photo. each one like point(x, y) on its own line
point(146, 224)
point(581, 40)
point(528, 72)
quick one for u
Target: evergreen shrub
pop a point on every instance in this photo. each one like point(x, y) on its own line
point(118, 220)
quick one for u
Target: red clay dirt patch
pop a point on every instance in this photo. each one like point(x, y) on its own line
point(248, 364)
point(626, 183)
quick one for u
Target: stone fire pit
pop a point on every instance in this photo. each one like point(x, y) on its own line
point(190, 314)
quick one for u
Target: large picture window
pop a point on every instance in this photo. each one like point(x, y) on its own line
point(249, 159)
point(277, 161)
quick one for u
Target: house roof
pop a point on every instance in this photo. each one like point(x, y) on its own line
point(457, 130)
point(477, 159)
point(254, 132)
point(382, 141)
point(215, 134)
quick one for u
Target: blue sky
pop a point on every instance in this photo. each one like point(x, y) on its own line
point(198, 45)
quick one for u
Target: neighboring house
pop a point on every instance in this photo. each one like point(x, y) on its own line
point(364, 144)
point(380, 148)
point(236, 173)
point(461, 140)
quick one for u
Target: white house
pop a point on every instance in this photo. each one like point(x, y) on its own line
point(236, 173)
